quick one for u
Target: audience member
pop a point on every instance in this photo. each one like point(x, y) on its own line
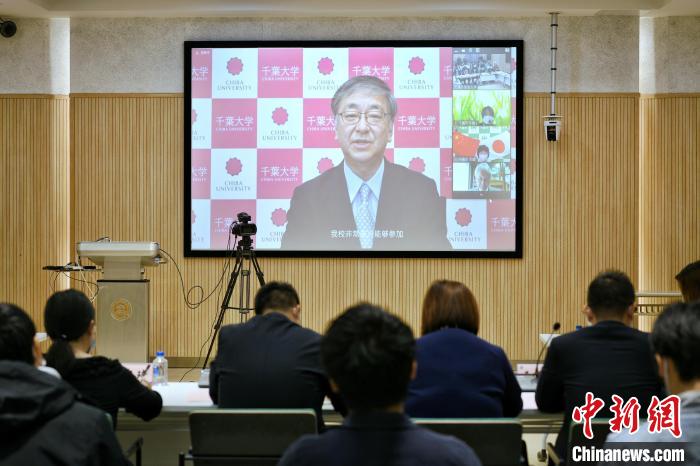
point(459, 374)
point(42, 421)
point(689, 281)
point(271, 361)
point(606, 358)
point(69, 319)
point(369, 356)
point(675, 340)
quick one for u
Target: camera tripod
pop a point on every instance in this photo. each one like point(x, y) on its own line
point(244, 255)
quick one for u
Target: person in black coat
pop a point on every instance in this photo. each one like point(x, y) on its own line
point(605, 359)
point(366, 202)
point(271, 361)
point(369, 356)
point(69, 319)
point(42, 420)
point(459, 374)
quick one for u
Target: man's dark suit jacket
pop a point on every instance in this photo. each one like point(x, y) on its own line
point(606, 359)
point(270, 362)
point(379, 438)
point(460, 375)
point(408, 202)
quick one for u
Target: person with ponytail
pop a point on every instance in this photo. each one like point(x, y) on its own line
point(69, 318)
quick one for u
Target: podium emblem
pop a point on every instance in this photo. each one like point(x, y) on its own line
point(121, 310)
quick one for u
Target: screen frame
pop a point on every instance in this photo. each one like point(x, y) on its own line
point(517, 253)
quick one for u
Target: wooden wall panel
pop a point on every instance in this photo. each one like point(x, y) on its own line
point(669, 196)
point(581, 216)
point(34, 198)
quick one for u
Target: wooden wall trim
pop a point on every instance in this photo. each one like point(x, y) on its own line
point(181, 95)
point(675, 95)
point(583, 94)
point(618, 190)
point(33, 199)
point(580, 216)
point(93, 95)
point(669, 195)
point(35, 96)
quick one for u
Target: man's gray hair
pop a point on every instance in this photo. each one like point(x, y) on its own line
point(364, 82)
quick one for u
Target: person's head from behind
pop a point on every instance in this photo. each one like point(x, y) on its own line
point(278, 297)
point(610, 297)
point(689, 281)
point(17, 336)
point(675, 341)
point(369, 356)
point(364, 110)
point(69, 319)
point(449, 304)
point(483, 177)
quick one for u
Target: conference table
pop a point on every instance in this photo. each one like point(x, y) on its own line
point(168, 434)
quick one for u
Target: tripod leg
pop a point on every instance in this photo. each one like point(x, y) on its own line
point(225, 302)
point(258, 270)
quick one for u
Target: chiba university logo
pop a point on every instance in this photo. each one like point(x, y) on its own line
point(463, 217)
point(325, 66)
point(416, 65)
point(234, 166)
point(234, 66)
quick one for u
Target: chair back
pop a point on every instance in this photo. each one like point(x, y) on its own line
point(496, 442)
point(600, 428)
point(246, 436)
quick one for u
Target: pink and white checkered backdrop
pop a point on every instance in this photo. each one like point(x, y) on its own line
point(262, 125)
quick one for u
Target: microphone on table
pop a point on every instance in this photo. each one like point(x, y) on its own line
point(555, 328)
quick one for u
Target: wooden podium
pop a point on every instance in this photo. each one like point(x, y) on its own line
point(122, 300)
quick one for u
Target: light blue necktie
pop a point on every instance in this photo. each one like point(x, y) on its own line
point(364, 220)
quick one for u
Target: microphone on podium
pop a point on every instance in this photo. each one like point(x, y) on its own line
point(555, 327)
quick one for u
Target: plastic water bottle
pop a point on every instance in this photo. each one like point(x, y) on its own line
point(160, 369)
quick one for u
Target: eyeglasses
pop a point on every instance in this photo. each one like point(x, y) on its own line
point(373, 117)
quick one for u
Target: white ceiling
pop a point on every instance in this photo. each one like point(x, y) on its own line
point(351, 8)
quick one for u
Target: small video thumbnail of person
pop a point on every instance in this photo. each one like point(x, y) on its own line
point(481, 108)
point(481, 143)
point(472, 179)
point(481, 68)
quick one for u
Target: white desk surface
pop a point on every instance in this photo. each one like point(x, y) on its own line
point(184, 395)
point(187, 395)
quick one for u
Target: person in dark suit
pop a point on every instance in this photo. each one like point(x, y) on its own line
point(459, 374)
point(271, 361)
point(366, 202)
point(607, 358)
point(369, 356)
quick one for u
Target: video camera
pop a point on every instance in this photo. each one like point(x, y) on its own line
point(243, 227)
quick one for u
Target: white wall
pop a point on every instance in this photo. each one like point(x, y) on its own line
point(596, 54)
point(36, 59)
point(669, 60)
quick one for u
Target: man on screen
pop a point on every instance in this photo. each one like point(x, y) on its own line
point(366, 202)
